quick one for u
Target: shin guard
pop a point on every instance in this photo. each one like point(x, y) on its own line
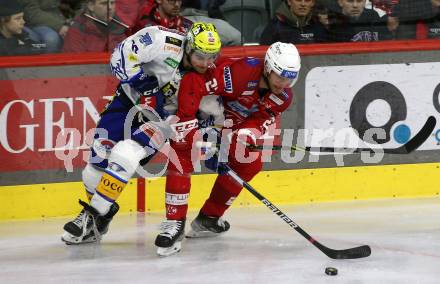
point(122, 164)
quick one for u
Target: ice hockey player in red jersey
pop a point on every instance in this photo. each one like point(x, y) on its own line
point(253, 93)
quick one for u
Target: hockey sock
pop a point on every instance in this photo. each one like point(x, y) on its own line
point(223, 193)
point(91, 176)
point(176, 195)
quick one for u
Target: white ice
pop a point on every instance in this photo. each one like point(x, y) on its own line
point(404, 236)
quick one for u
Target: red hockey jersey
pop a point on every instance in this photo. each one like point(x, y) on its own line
point(237, 82)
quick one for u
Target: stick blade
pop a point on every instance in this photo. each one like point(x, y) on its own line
point(406, 148)
point(419, 138)
point(351, 253)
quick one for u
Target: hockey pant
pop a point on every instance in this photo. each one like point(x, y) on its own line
point(178, 183)
point(115, 155)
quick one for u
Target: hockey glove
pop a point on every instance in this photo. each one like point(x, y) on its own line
point(214, 165)
point(144, 84)
point(151, 95)
point(212, 134)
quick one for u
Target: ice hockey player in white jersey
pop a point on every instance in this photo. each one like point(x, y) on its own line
point(136, 123)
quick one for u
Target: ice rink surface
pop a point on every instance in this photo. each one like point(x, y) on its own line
point(404, 235)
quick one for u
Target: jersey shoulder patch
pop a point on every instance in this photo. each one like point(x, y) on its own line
point(276, 99)
point(252, 61)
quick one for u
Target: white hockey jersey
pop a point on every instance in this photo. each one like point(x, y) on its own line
point(155, 51)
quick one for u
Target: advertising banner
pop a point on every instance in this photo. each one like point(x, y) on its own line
point(35, 112)
point(48, 123)
point(384, 104)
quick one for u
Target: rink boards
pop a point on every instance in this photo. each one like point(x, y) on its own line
point(280, 187)
point(398, 84)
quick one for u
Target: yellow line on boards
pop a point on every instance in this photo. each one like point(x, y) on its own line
point(280, 187)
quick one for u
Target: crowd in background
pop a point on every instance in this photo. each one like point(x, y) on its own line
point(53, 26)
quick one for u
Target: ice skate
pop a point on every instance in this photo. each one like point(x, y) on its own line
point(169, 241)
point(207, 226)
point(88, 226)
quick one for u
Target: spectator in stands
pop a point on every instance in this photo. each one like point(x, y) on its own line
point(98, 29)
point(294, 22)
point(128, 10)
point(213, 8)
point(386, 7)
point(356, 23)
point(46, 21)
point(228, 34)
point(13, 39)
point(71, 8)
point(164, 13)
point(433, 23)
point(417, 19)
point(322, 11)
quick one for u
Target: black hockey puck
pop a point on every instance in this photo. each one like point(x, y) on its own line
point(331, 271)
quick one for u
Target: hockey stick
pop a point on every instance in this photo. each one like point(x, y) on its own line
point(351, 253)
point(406, 148)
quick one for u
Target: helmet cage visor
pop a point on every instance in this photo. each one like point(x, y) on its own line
point(204, 55)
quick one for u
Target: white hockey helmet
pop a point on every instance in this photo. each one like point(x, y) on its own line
point(284, 60)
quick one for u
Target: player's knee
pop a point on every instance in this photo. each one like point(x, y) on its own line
point(125, 157)
point(177, 182)
point(122, 164)
point(248, 171)
point(100, 152)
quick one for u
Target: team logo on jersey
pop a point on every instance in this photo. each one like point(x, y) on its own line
point(168, 90)
point(134, 47)
point(248, 93)
point(171, 62)
point(171, 48)
point(173, 41)
point(240, 109)
point(227, 79)
point(285, 95)
point(132, 57)
point(145, 39)
point(252, 84)
point(247, 101)
point(118, 69)
point(252, 61)
point(276, 99)
point(148, 102)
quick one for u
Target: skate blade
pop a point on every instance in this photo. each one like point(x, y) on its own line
point(70, 239)
point(164, 252)
point(201, 234)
